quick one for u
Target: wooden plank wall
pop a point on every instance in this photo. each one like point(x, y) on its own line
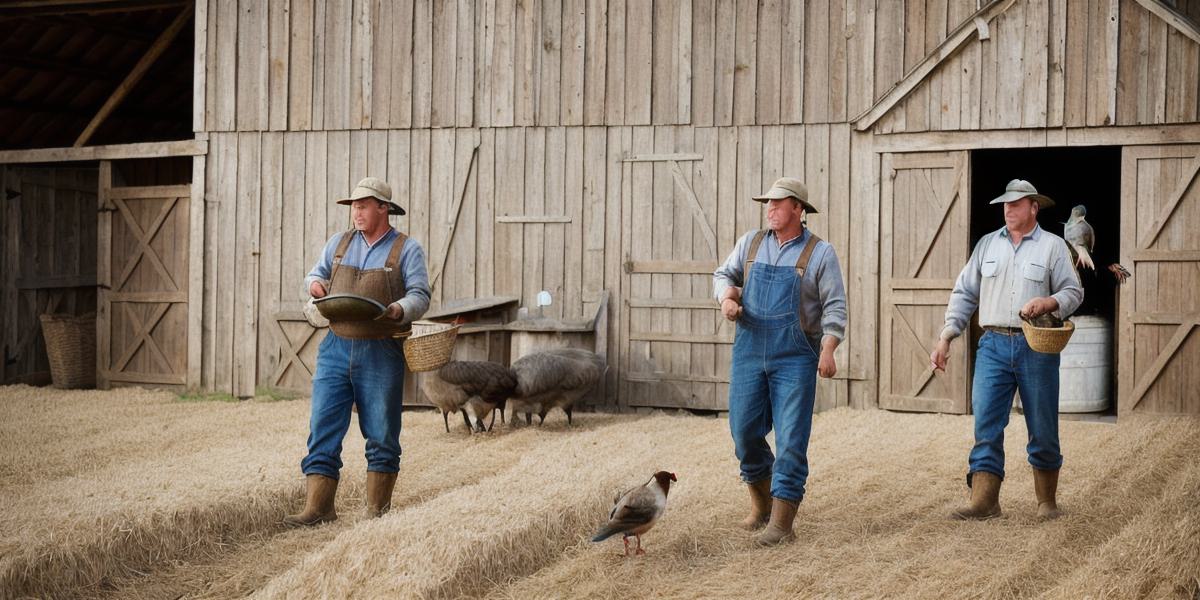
point(541, 209)
point(1055, 63)
point(304, 65)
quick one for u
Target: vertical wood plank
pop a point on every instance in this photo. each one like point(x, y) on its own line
point(703, 61)
point(510, 192)
point(595, 56)
point(195, 276)
point(837, 62)
point(1036, 64)
point(485, 222)
point(300, 66)
point(745, 74)
point(398, 175)
point(527, 49)
point(1056, 85)
point(279, 29)
point(401, 60)
point(791, 77)
point(549, 99)
point(246, 265)
point(614, 72)
point(665, 70)
point(726, 63)
point(485, 11)
point(464, 72)
point(318, 66)
point(339, 18)
point(574, 29)
point(860, 70)
point(614, 253)
point(362, 68)
point(555, 243)
point(592, 220)
point(104, 248)
point(573, 282)
point(422, 56)
point(382, 63)
point(533, 234)
point(270, 257)
point(639, 56)
point(770, 32)
point(445, 65)
point(225, 91)
point(503, 63)
point(200, 105)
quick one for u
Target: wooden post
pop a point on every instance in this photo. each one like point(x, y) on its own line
point(103, 275)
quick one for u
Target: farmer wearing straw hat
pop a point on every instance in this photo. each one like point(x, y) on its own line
point(361, 363)
point(1018, 270)
point(783, 286)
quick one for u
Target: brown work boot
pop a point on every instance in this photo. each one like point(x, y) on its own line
point(318, 504)
point(1045, 485)
point(779, 530)
point(985, 498)
point(379, 493)
point(760, 505)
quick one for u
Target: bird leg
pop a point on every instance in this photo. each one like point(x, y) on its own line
point(493, 422)
point(542, 416)
point(639, 545)
point(568, 410)
point(467, 420)
point(529, 418)
point(446, 420)
point(626, 540)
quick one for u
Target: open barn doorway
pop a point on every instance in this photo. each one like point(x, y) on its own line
point(1091, 177)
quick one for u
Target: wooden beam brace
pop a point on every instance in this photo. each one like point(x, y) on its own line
point(1189, 177)
point(1150, 375)
point(110, 152)
point(953, 43)
point(139, 70)
point(1181, 23)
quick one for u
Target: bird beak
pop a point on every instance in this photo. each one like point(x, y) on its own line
point(673, 477)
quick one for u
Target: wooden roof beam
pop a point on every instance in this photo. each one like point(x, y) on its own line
point(1181, 23)
point(139, 70)
point(971, 27)
point(53, 65)
point(24, 9)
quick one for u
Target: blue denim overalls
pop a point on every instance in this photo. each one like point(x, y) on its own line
point(774, 381)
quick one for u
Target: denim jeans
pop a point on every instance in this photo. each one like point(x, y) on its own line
point(773, 383)
point(1004, 364)
point(366, 373)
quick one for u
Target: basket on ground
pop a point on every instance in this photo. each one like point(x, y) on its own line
point(430, 351)
point(1048, 340)
point(71, 348)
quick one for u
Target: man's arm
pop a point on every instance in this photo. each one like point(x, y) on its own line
point(321, 271)
point(1064, 282)
point(964, 300)
point(416, 284)
point(833, 311)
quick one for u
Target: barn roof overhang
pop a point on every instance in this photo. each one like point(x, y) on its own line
point(977, 28)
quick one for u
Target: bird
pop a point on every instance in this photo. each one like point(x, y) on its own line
point(637, 510)
point(474, 387)
point(555, 378)
point(1079, 233)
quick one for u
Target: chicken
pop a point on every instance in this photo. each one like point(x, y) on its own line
point(1079, 233)
point(554, 378)
point(637, 510)
point(474, 387)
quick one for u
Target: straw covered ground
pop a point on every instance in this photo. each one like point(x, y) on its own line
point(135, 494)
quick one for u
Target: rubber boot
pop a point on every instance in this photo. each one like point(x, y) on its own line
point(779, 529)
point(379, 493)
point(318, 503)
point(1045, 485)
point(760, 505)
point(985, 498)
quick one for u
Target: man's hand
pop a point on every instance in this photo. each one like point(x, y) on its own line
point(316, 289)
point(940, 355)
point(731, 303)
point(1038, 307)
point(394, 312)
point(731, 309)
point(827, 367)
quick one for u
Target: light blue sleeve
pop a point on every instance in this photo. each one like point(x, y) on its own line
point(833, 296)
point(730, 272)
point(416, 282)
point(964, 300)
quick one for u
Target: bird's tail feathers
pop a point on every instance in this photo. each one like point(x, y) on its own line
point(604, 534)
point(1085, 258)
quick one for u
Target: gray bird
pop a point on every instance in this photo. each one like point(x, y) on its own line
point(554, 378)
point(475, 387)
point(637, 510)
point(1078, 232)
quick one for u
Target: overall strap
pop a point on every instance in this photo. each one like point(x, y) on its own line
point(752, 254)
point(342, 247)
point(393, 258)
point(802, 264)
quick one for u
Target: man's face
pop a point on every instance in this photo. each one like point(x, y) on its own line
point(783, 214)
point(368, 214)
point(1020, 214)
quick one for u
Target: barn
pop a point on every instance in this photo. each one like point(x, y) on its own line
point(595, 150)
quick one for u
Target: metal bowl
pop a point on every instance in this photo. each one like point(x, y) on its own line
point(349, 307)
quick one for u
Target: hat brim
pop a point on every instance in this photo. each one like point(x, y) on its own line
point(775, 194)
point(1043, 201)
point(393, 208)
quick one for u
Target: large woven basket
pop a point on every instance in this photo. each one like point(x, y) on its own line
point(1047, 340)
point(430, 351)
point(71, 348)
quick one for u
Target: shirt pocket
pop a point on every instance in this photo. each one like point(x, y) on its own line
point(1034, 272)
point(989, 268)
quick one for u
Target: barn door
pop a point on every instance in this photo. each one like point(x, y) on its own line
point(925, 243)
point(1159, 306)
point(143, 280)
point(675, 347)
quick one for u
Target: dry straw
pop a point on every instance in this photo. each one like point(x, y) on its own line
point(101, 487)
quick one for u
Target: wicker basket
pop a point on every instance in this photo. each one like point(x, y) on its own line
point(430, 351)
point(71, 348)
point(1047, 340)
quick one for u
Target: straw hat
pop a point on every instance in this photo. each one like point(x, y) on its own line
point(373, 187)
point(1019, 188)
point(787, 187)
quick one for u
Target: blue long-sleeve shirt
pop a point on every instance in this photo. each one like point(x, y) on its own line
point(823, 304)
point(362, 255)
